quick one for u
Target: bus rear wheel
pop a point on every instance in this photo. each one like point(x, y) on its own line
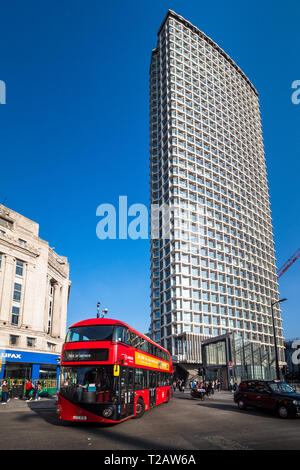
point(139, 408)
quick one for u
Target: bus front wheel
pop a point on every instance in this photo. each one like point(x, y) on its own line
point(139, 408)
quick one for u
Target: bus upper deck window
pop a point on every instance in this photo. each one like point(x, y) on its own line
point(121, 334)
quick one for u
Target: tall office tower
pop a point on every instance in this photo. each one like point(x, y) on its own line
point(217, 271)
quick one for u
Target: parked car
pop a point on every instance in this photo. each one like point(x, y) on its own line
point(273, 395)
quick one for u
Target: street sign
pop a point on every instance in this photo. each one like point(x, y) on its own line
point(229, 364)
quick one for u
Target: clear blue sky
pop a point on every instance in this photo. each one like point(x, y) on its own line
point(74, 131)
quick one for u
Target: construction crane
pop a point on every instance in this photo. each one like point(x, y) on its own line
point(288, 264)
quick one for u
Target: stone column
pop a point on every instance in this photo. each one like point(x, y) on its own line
point(7, 288)
point(56, 313)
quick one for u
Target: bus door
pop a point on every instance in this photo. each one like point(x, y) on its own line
point(130, 391)
point(126, 392)
point(152, 388)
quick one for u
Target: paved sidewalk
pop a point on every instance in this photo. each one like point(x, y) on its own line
point(23, 405)
point(223, 394)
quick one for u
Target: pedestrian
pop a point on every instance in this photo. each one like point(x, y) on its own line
point(14, 391)
point(28, 389)
point(38, 389)
point(182, 386)
point(213, 387)
point(4, 390)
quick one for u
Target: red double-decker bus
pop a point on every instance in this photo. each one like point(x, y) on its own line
point(110, 373)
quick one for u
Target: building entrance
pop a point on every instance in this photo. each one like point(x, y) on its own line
point(220, 373)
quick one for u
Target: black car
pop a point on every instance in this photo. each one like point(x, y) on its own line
point(268, 394)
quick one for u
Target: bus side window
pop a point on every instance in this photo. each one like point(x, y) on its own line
point(129, 337)
point(136, 341)
point(126, 338)
point(146, 380)
point(133, 340)
point(144, 345)
point(138, 379)
point(159, 379)
point(118, 331)
point(121, 334)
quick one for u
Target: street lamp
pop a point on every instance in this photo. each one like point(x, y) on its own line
point(275, 340)
point(98, 309)
point(104, 312)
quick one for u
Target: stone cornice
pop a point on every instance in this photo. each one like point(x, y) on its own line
point(11, 242)
point(22, 330)
point(58, 264)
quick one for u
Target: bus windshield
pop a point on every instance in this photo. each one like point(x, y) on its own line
point(88, 384)
point(90, 333)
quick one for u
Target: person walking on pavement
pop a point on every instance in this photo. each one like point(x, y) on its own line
point(28, 389)
point(4, 390)
point(14, 391)
point(38, 389)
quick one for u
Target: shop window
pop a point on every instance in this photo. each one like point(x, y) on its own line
point(48, 372)
point(17, 370)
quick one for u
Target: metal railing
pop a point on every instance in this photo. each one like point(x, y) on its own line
point(49, 386)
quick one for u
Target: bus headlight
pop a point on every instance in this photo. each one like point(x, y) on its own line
point(107, 412)
point(58, 411)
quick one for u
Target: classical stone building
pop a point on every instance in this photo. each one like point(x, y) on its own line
point(34, 291)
